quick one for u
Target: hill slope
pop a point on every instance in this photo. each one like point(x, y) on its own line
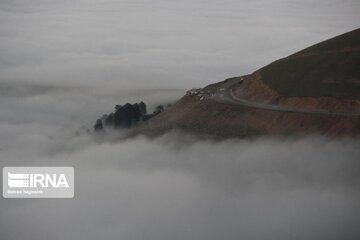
point(316, 90)
point(330, 68)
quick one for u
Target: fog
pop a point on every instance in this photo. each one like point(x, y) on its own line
point(64, 63)
point(179, 187)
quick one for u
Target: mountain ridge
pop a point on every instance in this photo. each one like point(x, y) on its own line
point(313, 91)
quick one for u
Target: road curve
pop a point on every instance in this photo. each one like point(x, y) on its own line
point(225, 94)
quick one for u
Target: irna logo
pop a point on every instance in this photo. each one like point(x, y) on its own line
point(34, 180)
point(38, 182)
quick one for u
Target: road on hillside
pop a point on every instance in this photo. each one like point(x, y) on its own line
point(225, 94)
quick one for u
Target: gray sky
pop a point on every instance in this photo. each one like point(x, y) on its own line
point(168, 44)
point(99, 53)
point(64, 63)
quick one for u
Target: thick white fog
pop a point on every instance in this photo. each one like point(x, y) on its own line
point(179, 187)
point(64, 63)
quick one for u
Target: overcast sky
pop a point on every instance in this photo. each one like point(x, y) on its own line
point(64, 63)
point(162, 43)
point(99, 53)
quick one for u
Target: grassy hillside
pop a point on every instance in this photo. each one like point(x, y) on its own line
point(347, 40)
point(330, 68)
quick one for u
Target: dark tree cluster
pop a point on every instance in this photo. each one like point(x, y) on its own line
point(125, 116)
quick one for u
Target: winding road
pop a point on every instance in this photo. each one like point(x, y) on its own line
point(225, 94)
